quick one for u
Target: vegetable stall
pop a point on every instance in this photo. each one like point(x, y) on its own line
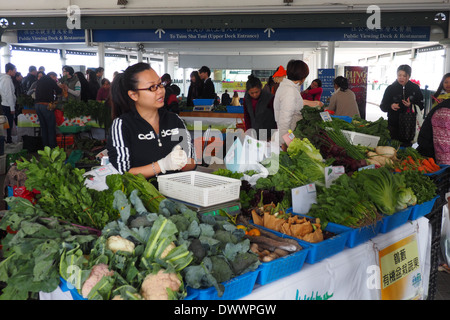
point(132, 241)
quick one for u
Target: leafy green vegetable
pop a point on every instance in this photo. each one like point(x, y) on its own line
point(422, 186)
point(304, 145)
point(382, 187)
point(33, 254)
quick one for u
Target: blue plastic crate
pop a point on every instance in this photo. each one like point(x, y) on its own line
point(395, 220)
point(443, 168)
point(203, 102)
point(345, 118)
point(420, 210)
point(324, 249)
point(235, 109)
point(363, 234)
point(282, 267)
point(67, 287)
point(235, 288)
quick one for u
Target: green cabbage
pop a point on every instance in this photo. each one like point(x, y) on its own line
point(298, 145)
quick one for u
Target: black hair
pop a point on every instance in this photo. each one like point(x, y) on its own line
point(196, 76)
point(406, 68)
point(166, 78)
point(205, 69)
point(32, 68)
point(104, 80)
point(122, 83)
point(318, 81)
point(92, 76)
point(69, 69)
point(51, 73)
point(9, 66)
point(297, 70)
point(441, 85)
point(99, 69)
point(253, 82)
point(341, 82)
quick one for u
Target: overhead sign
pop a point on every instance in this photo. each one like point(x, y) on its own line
point(264, 34)
point(50, 36)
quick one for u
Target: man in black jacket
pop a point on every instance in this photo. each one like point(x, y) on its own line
point(46, 91)
point(209, 92)
point(30, 78)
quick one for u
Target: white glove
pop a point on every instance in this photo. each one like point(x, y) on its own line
point(175, 160)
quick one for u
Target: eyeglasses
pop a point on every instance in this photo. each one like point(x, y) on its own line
point(155, 87)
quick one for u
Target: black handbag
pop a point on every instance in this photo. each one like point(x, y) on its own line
point(407, 125)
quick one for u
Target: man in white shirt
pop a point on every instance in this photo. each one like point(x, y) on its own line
point(8, 97)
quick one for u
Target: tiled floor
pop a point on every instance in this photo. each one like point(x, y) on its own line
point(443, 286)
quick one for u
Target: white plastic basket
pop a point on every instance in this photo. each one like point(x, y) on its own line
point(199, 188)
point(360, 138)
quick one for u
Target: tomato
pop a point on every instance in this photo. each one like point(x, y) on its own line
point(254, 232)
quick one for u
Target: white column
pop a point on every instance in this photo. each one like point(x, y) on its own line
point(184, 82)
point(63, 57)
point(139, 55)
point(330, 55)
point(446, 44)
point(6, 56)
point(101, 54)
point(166, 63)
point(323, 58)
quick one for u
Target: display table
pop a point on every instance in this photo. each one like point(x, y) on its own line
point(348, 275)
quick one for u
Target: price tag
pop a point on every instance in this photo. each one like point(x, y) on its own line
point(303, 197)
point(325, 116)
point(332, 173)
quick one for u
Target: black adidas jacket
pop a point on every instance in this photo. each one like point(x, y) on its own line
point(133, 142)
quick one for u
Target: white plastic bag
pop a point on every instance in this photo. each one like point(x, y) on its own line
point(445, 235)
point(419, 121)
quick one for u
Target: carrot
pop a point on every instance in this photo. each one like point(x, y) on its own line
point(426, 164)
point(411, 160)
point(398, 170)
point(436, 167)
point(420, 168)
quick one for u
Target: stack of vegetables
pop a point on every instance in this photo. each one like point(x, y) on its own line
point(301, 164)
point(362, 198)
point(149, 246)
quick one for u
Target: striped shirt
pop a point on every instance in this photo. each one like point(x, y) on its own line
point(133, 142)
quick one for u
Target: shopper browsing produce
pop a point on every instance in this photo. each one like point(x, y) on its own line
point(145, 138)
point(288, 101)
point(343, 101)
point(258, 108)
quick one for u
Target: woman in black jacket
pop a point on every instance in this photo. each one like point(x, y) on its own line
point(398, 98)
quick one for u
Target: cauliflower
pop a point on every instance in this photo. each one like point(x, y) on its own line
point(97, 273)
point(116, 243)
point(154, 286)
point(167, 250)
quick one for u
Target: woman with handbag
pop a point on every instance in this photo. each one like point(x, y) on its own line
point(443, 91)
point(46, 90)
point(398, 101)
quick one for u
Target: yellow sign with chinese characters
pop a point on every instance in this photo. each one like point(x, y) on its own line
point(400, 270)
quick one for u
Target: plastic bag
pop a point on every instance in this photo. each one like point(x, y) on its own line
point(419, 121)
point(22, 192)
point(445, 235)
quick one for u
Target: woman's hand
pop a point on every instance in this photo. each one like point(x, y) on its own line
point(175, 160)
point(406, 103)
point(395, 106)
